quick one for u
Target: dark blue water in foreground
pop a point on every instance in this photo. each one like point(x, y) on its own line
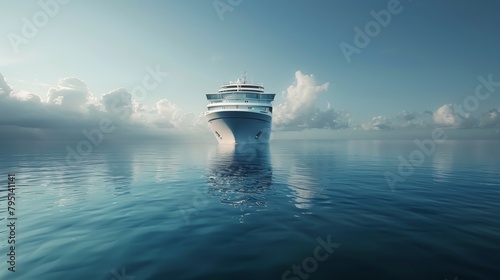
point(289, 210)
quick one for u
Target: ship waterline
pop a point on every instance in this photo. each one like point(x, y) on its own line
point(240, 113)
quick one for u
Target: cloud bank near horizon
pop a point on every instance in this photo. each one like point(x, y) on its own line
point(446, 116)
point(70, 106)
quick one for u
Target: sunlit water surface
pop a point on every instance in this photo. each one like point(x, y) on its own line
point(157, 210)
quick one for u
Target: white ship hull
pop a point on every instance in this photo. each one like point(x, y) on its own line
point(240, 126)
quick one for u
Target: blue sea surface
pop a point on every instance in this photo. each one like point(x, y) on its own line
point(287, 210)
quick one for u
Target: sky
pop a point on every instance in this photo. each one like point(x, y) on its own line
point(337, 67)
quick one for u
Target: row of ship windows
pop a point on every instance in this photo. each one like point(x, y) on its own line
point(241, 89)
point(260, 108)
point(242, 85)
point(241, 96)
point(232, 101)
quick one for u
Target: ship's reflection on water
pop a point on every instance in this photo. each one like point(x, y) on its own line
point(240, 174)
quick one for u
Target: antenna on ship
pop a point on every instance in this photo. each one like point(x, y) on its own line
point(244, 77)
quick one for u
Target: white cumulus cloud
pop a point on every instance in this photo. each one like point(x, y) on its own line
point(444, 116)
point(403, 120)
point(25, 96)
point(300, 111)
point(165, 110)
point(491, 118)
point(118, 102)
point(448, 116)
point(169, 115)
point(4, 87)
point(71, 107)
point(70, 94)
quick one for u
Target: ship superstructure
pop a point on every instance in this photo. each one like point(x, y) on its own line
point(240, 112)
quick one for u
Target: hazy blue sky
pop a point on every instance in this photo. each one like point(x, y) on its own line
point(427, 58)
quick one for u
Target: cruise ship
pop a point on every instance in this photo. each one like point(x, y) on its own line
point(240, 112)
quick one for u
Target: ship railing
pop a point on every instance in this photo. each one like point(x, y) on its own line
point(240, 84)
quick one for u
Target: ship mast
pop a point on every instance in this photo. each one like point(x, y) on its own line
point(244, 77)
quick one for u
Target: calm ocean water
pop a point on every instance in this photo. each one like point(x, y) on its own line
point(287, 210)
